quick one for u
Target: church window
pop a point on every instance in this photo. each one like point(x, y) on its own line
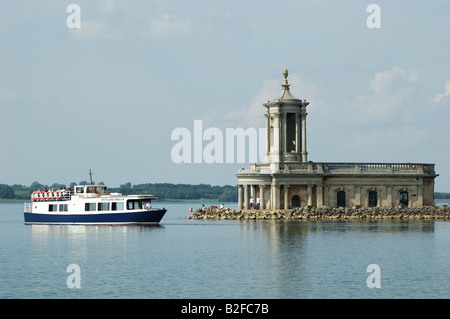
point(373, 199)
point(290, 132)
point(404, 198)
point(341, 199)
point(296, 201)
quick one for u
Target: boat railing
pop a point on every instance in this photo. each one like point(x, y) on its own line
point(51, 196)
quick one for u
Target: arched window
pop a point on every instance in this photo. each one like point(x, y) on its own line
point(373, 199)
point(341, 200)
point(296, 201)
point(404, 198)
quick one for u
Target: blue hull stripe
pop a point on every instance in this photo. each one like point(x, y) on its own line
point(148, 217)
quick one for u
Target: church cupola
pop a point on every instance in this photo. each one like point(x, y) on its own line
point(285, 127)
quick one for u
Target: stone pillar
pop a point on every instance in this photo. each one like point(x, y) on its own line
point(275, 198)
point(245, 196)
point(283, 135)
point(261, 197)
point(326, 194)
point(304, 153)
point(358, 196)
point(319, 195)
point(275, 152)
point(309, 195)
point(279, 136)
point(267, 115)
point(270, 201)
point(420, 195)
point(389, 196)
point(286, 196)
point(240, 197)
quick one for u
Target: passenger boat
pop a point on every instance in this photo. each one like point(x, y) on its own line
point(90, 204)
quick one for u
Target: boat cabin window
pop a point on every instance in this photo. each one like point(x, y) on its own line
point(90, 189)
point(95, 189)
point(63, 207)
point(52, 207)
point(103, 206)
point(117, 206)
point(138, 204)
point(133, 204)
point(89, 207)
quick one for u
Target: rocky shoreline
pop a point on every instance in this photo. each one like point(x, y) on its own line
point(312, 213)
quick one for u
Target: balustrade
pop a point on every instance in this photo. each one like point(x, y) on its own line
point(339, 168)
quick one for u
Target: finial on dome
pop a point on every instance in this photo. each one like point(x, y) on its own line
point(285, 74)
point(285, 85)
point(285, 94)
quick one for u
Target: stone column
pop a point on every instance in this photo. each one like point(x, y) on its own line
point(326, 194)
point(283, 134)
point(304, 153)
point(261, 197)
point(239, 196)
point(245, 196)
point(319, 195)
point(286, 196)
point(420, 195)
point(267, 115)
point(275, 198)
point(358, 196)
point(389, 196)
point(309, 195)
point(270, 201)
point(275, 152)
point(279, 137)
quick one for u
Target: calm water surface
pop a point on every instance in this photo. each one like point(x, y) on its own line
point(223, 259)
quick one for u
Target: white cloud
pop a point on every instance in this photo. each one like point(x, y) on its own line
point(169, 25)
point(440, 96)
point(8, 94)
point(90, 30)
point(112, 21)
point(391, 96)
point(111, 6)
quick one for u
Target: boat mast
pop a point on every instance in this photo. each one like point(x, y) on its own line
point(90, 175)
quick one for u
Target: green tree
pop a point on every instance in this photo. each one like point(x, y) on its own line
point(6, 191)
point(36, 185)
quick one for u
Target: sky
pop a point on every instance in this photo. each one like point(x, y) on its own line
point(109, 95)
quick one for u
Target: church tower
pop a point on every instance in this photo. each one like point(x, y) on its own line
point(285, 128)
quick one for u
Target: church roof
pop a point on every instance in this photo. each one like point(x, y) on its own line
point(285, 94)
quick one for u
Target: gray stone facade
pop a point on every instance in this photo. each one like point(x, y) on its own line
point(287, 180)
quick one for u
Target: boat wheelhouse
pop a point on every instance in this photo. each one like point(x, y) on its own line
point(90, 204)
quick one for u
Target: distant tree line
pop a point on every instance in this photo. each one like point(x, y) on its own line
point(167, 191)
point(163, 191)
point(439, 195)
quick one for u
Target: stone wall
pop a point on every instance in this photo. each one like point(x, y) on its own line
point(305, 214)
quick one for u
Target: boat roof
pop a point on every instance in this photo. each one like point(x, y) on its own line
point(101, 190)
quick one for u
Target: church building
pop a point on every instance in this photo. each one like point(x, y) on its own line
point(288, 180)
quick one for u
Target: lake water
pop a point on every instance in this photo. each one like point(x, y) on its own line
point(223, 259)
